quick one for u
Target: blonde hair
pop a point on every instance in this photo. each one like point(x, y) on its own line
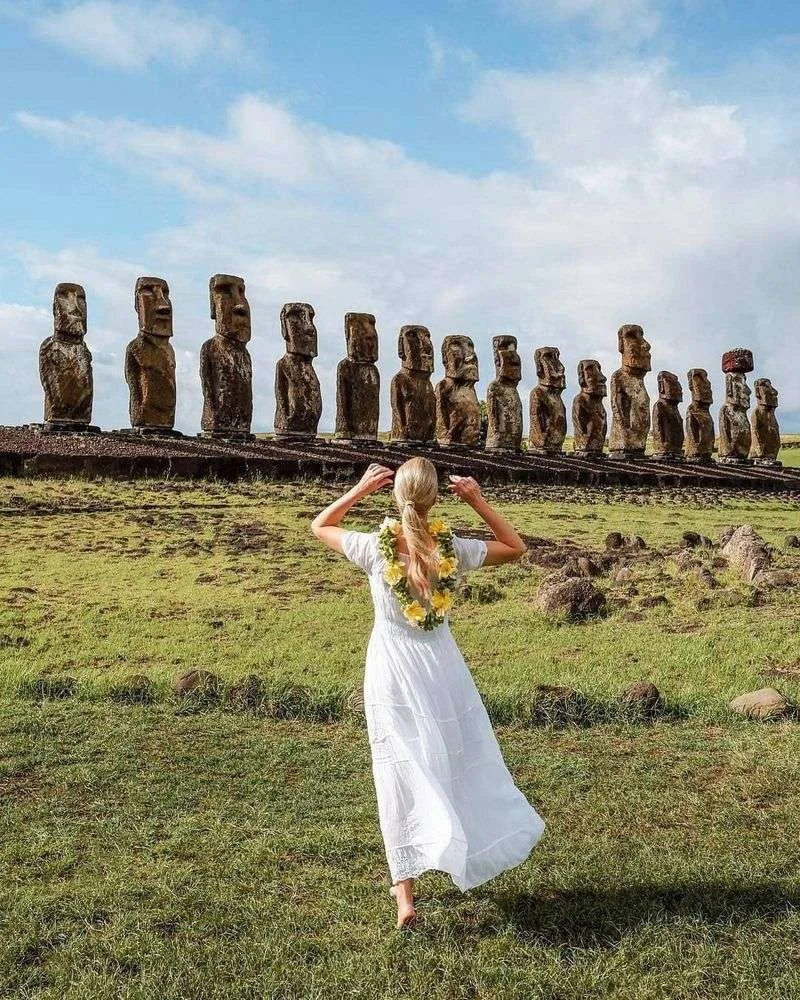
point(416, 487)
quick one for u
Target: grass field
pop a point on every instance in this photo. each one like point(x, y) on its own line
point(183, 852)
point(101, 580)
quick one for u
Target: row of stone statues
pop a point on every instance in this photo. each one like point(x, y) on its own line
point(449, 415)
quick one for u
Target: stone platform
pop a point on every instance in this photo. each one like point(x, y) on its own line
point(24, 452)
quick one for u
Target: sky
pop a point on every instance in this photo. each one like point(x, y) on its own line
point(546, 168)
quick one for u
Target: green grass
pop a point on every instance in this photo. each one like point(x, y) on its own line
point(185, 852)
point(148, 853)
point(102, 580)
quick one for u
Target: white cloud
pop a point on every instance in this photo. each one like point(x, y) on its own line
point(635, 203)
point(129, 34)
point(441, 53)
point(637, 20)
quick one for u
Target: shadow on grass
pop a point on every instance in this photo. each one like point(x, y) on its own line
point(600, 918)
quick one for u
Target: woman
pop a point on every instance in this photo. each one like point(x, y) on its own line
point(446, 800)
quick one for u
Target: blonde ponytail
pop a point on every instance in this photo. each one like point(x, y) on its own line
point(416, 486)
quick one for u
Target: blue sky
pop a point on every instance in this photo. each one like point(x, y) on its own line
point(548, 168)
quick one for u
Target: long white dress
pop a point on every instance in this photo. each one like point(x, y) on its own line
point(446, 799)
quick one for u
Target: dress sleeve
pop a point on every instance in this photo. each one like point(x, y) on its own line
point(470, 552)
point(360, 548)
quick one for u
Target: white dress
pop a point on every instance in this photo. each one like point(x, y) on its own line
point(446, 799)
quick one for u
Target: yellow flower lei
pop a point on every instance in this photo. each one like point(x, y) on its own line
point(395, 575)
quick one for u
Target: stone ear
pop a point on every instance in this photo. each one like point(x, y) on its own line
point(211, 299)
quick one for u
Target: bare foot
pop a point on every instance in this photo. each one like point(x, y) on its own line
point(406, 914)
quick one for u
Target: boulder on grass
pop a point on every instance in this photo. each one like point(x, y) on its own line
point(247, 692)
point(642, 698)
point(747, 552)
point(575, 597)
point(766, 703)
point(200, 683)
point(558, 706)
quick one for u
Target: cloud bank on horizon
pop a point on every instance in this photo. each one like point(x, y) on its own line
point(554, 199)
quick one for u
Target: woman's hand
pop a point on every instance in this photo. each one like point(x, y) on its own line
point(375, 478)
point(466, 489)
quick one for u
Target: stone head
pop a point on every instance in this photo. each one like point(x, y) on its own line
point(459, 358)
point(549, 369)
point(634, 349)
point(507, 362)
point(361, 337)
point(700, 386)
point(766, 393)
point(415, 348)
point(737, 391)
point(298, 330)
point(69, 311)
point(591, 378)
point(153, 307)
point(230, 309)
point(669, 387)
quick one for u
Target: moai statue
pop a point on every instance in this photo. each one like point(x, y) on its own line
point(630, 403)
point(458, 413)
point(358, 381)
point(150, 360)
point(667, 424)
point(412, 396)
point(65, 364)
point(589, 418)
point(298, 400)
point(503, 405)
point(765, 431)
point(699, 424)
point(735, 436)
point(548, 415)
point(226, 370)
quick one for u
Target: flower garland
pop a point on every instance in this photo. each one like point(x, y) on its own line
point(395, 575)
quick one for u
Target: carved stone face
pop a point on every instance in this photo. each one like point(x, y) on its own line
point(737, 391)
point(507, 362)
point(549, 369)
point(298, 330)
point(766, 393)
point(229, 308)
point(669, 387)
point(69, 311)
point(634, 349)
point(361, 336)
point(459, 358)
point(591, 378)
point(415, 348)
point(153, 307)
point(700, 386)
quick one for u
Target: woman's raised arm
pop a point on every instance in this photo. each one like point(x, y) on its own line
point(325, 525)
point(508, 545)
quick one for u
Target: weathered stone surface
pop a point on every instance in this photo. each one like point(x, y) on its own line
point(298, 398)
point(503, 403)
point(667, 424)
point(150, 358)
point(738, 359)
point(589, 418)
point(766, 703)
point(412, 396)
point(747, 552)
point(630, 403)
point(65, 363)
point(458, 414)
point(615, 541)
point(575, 597)
point(358, 381)
point(226, 370)
point(735, 436)
point(548, 415)
point(700, 441)
point(792, 542)
point(642, 698)
point(766, 435)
